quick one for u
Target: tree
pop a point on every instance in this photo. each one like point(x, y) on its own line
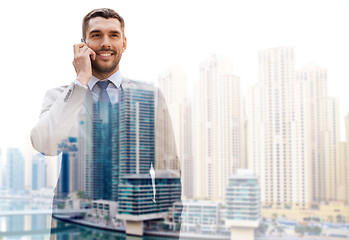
point(178, 226)
point(107, 219)
point(280, 230)
point(300, 229)
point(163, 226)
point(339, 218)
point(274, 215)
point(61, 205)
point(262, 228)
point(81, 194)
point(287, 206)
point(316, 229)
point(198, 228)
point(330, 218)
point(308, 229)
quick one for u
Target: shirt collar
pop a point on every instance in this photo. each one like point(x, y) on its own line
point(115, 79)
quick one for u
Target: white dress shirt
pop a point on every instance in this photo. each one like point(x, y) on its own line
point(112, 89)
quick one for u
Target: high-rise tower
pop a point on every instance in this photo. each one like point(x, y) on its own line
point(173, 83)
point(323, 127)
point(14, 170)
point(277, 131)
point(217, 123)
point(39, 172)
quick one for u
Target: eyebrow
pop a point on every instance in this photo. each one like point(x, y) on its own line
point(98, 31)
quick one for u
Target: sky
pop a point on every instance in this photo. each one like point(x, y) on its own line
point(38, 36)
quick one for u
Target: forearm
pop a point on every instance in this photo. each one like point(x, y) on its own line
point(60, 112)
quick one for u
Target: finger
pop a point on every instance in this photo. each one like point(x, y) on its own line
point(77, 47)
point(83, 49)
point(91, 53)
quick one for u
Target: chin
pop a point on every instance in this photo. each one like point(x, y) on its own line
point(104, 68)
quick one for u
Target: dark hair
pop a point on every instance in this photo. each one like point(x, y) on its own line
point(101, 12)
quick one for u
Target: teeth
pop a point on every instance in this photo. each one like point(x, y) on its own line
point(105, 54)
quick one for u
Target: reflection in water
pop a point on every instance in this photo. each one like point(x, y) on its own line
point(68, 231)
point(36, 230)
point(38, 226)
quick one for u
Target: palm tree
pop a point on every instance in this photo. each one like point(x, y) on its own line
point(81, 194)
point(274, 215)
point(198, 228)
point(107, 219)
point(339, 218)
point(280, 230)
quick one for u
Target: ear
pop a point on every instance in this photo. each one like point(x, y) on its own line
point(124, 44)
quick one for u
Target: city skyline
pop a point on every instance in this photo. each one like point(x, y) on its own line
point(178, 97)
point(181, 97)
point(314, 28)
point(259, 85)
point(290, 118)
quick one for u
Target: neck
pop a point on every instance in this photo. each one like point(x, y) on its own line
point(103, 75)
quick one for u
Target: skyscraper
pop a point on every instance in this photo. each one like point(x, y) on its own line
point(277, 131)
point(68, 180)
point(136, 131)
point(323, 126)
point(98, 152)
point(39, 172)
point(343, 179)
point(2, 169)
point(14, 170)
point(173, 83)
point(132, 138)
point(345, 166)
point(217, 122)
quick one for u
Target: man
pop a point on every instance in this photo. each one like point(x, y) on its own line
point(122, 126)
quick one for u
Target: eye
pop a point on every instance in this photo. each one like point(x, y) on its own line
point(95, 35)
point(114, 35)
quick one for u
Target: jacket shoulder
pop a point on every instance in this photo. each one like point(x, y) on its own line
point(57, 90)
point(51, 96)
point(128, 83)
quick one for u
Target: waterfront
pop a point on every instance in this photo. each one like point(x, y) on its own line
point(64, 231)
point(38, 226)
point(23, 218)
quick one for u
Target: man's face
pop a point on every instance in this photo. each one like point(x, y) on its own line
point(105, 37)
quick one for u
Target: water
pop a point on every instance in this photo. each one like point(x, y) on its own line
point(38, 226)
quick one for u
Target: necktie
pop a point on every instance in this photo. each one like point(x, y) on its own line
point(104, 101)
point(103, 95)
point(104, 137)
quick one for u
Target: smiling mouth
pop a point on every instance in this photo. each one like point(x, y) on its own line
point(105, 54)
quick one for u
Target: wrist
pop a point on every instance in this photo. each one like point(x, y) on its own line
point(83, 79)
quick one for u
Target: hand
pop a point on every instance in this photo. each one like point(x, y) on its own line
point(82, 62)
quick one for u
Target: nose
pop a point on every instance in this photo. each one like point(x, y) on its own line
point(105, 42)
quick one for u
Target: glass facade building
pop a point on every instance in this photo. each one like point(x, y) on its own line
point(67, 181)
point(144, 198)
point(14, 180)
point(124, 143)
point(243, 199)
point(137, 131)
